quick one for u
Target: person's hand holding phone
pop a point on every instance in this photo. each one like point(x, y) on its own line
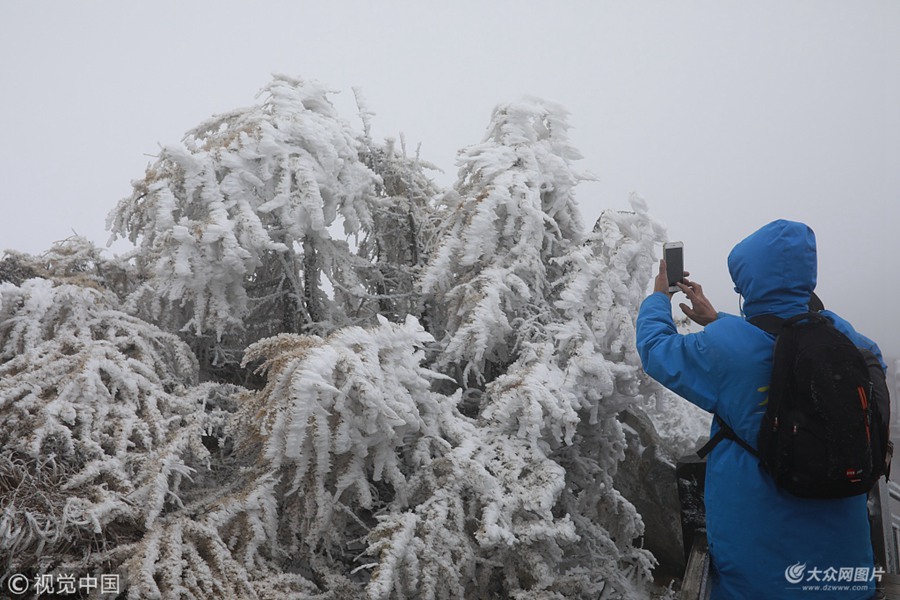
point(661, 283)
point(701, 310)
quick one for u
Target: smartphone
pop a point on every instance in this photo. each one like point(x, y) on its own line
point(673, 253)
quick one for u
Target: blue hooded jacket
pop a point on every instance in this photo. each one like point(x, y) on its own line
point(764, 542)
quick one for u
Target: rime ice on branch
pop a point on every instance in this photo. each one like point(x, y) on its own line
point(511, 215)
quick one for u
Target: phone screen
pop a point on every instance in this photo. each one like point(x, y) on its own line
point(674, 265)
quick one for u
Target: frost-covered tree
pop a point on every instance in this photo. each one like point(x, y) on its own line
point(562, 398)
point(548, 324)
point(511, 215)
point(235, 226)
point(605, 283)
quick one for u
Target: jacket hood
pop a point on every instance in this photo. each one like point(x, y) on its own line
point(774, 269)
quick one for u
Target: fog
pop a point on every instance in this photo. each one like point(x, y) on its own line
point(722, 115)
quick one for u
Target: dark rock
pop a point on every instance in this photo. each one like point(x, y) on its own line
point(647, 479)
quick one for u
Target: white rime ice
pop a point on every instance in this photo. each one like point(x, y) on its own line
point(98, 430)
point(247, 202)
point(255, 404)
point(510, 215)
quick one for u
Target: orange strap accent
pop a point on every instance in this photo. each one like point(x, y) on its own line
point(865, 407)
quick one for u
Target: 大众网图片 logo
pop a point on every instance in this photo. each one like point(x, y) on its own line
point(799, 573)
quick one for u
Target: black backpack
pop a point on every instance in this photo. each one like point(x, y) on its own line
point(826, 430)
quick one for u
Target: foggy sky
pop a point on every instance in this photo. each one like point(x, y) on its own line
point(723, 115)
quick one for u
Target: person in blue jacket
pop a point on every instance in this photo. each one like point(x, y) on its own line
point(764, 543)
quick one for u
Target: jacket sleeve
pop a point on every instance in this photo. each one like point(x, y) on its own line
point(684, 364)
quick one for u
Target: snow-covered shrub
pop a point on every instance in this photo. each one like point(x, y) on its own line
point(98, 433)
point(73, 260)
point(481, 524)
point(343, 422)
point(330, 441)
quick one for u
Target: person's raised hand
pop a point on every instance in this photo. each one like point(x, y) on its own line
point(661, 283)
point(701, 310)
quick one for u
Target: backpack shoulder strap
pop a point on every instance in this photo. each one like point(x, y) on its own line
point(775, 325)
point(725, 433)
point(768, 323)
